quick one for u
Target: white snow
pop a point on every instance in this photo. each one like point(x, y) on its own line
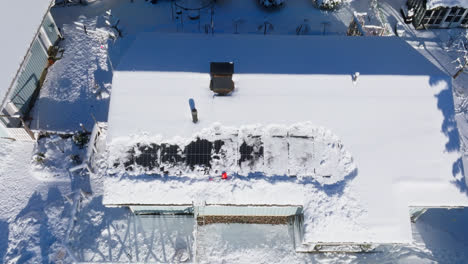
point(78, 85)
point(28, 224)
point(431, 4)
point(271, 72)
point(21, 20)
point(33, 211)
point(396, 120)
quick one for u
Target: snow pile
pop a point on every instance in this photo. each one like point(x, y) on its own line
point(431, 4)
point(301, 150)
point(54, 156)
point(324, 213)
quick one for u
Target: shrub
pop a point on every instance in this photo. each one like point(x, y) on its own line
point(328, 4)
point(271, 3)
point(39, 158)
point(81, 139)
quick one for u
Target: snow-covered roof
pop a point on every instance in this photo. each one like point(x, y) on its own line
point(21, 21)
point(395, 119)
point(431, 4)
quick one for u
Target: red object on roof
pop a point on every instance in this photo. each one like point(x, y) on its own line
point(224, 176)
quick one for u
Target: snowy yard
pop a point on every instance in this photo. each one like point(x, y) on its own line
point(78, 86)
point(51, 215)
point(117, 235)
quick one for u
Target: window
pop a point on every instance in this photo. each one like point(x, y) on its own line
point(438, 21)
point(428, 13)
point(43, 42)
point(425, 21)
point(457, 18)
point(449, 19)
point(465, 21)
point(432, 21)
point(453, 11)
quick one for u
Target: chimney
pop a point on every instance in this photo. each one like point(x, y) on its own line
point(194, 115)
point(221, 77)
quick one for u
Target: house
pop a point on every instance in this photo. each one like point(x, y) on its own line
point(26, 56)
point(438, 13)
point(330, 135)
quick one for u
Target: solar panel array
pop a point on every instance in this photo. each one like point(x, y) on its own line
point(198, 153)
point(321, 156)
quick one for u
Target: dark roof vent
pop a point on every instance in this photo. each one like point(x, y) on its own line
point(221, 77)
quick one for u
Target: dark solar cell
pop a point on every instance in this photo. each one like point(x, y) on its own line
point(148, 156)
point(251, 153)
point(130, 161)
point(217, 145)
point(245, 152)
point(198, 153)
point(171, 154)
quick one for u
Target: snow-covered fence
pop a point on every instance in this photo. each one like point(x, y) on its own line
point(94, 145)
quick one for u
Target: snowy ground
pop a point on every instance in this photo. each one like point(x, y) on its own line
point(78, 85)
point(34, 213)
point(39, 198)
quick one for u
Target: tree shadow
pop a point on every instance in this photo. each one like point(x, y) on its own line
point(94, 219)
point(458, 169)
point(258, 54)
point(446, 105)
point(35, 214)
